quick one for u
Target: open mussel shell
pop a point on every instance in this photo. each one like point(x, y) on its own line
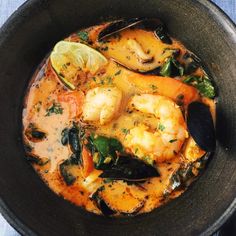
point(101, 204)
point(130, 169)
point(119, 25)
point(201, 127)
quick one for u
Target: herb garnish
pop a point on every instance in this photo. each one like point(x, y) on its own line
point(161, 127)
point(203, 84)
point(118, 72)
point(153, 87)
point(55, 108)
point(173, 140)
point(125, 131)
point(83, 35)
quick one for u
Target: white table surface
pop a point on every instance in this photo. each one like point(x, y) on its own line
point(7, 7)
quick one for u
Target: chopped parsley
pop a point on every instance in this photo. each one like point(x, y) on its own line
point(54, 109)
point(173, 140)
point(104, 48)
point(106, 80)
point(153, 87)
point(125, 131)
point(83, 35)
point(161, 127)
point(203, 84)
point(118, 72)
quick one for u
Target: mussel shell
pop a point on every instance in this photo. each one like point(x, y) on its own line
point(117, 26)
point(74, 141)
point(130, 169)
point(161, 33)
point(192, 62)
point(34, 134)
point(65, 136)
point(33, 158)
point(201, 127)
point(67, 176)
point(101, 204)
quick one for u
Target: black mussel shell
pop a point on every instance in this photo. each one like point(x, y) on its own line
point(101, 204)
point(65, 172)
point(201, 127)
point(65, 136)
point(130, 169)
point(34, 134)
point(117, 26)
point(161, 33)
point(143, 23)
point(32, 158)
point(192, 62)
point(74, 141)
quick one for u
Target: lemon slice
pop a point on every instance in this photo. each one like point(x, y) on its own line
point(68, 58)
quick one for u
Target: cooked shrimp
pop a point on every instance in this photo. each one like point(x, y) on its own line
point(166, 140)
point(102, 104)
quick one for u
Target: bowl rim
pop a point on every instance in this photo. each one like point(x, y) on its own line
point(215, 13)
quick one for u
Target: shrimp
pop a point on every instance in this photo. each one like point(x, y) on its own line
point(166, 140)
point(102, 104)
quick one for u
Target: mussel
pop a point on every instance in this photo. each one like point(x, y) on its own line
point(117, 198)
point(130, 169)
point(151, 24)
point(34, 134)
point(32, 158)
point(135, 57)
point(65, 169)
point(101, 204)
point(73, 136)
point(117, 26)
point(201, 127)
point(65, 136)
point(192, 62)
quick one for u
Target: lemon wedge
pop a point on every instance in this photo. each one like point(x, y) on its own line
point(68, 58)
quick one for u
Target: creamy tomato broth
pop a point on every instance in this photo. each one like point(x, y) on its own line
point(109, 118)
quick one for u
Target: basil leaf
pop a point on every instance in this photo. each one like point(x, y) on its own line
point(107, 148)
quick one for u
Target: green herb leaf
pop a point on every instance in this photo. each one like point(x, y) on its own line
point(106, 147)
point(173, 140)
point(118, 72)
point(125, 131)
point(55, 108)
point(161, 127)
point(203, 84)
point(83, 35)
point(153, 87)
point(172, 68)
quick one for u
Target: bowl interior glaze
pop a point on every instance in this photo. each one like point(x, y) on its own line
point(28, 204)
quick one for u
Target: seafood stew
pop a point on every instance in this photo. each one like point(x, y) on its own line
point(119, 119)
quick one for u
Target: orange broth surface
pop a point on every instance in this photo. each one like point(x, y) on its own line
point(47, 90)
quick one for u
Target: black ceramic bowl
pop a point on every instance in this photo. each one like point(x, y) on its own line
point(28, 204)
